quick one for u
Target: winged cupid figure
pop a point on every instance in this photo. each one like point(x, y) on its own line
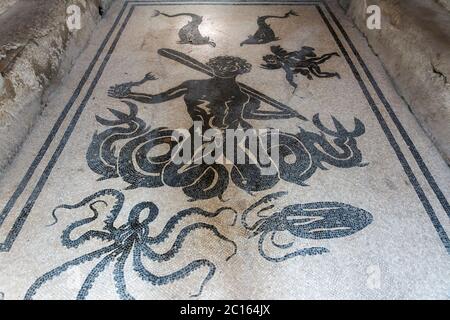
point(304, 61)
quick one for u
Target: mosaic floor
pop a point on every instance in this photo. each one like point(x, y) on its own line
point(94, 207)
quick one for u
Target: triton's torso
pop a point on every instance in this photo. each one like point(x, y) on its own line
point(217, 103)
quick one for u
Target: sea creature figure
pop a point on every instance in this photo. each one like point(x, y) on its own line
point(190, 33)
point(265, 34)
point(314, 221)
point(129, 241)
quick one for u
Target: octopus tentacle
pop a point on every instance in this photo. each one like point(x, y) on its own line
point(119, 276)
point(69, 243)
point(266, 199)
point(302, 252)
point(177, 275)
point(148, 252)
point(173, 221)
point(280, 246)
point(95, 272)
point(259, 213)
point(64, 267)
point(105, 192)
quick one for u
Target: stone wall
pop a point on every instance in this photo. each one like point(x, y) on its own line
point(6, 4)
point(36, 50)
point(414, 46)
point(444, 3)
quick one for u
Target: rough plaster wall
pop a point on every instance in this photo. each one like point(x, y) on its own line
point(444, 3)
point(6, 4)
point(414, 45)
point(36, 50)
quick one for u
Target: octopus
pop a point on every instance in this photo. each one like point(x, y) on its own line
point(130, 241)
point(313, 221)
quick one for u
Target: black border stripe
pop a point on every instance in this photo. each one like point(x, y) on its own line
point(57, 125)
point(43, 179)
point(390, 137)
point(18, 224)
point(420, 162)
point(38, 188)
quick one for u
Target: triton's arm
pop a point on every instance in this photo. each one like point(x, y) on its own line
point(125, 93)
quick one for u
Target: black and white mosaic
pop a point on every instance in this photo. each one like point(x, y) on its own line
point(318, 221)
point(219, 102)
point(129, 241)
point(189, 33)
point(304, 61)
point(351, 188)
point(265, 33)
